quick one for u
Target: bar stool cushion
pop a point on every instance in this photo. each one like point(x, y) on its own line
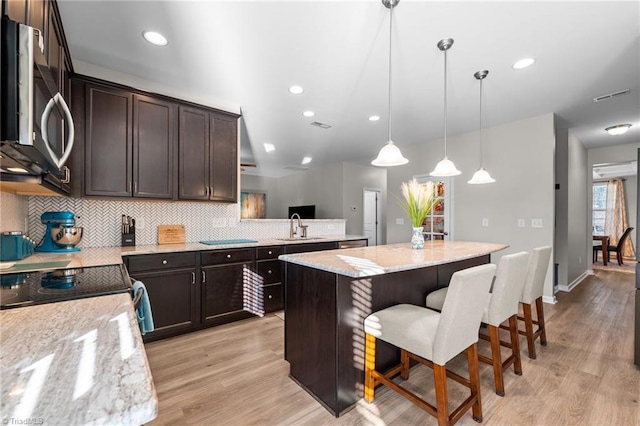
point(435, 299)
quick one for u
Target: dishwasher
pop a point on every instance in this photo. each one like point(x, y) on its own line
point(352, 244)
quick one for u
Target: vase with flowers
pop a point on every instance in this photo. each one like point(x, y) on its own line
point(417, 201)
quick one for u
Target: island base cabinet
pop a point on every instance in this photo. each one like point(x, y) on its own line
point(174, 301)
point(324, 327)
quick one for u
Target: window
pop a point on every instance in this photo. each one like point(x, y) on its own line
point(599, 206)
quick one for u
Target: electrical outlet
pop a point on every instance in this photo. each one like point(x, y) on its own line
point(219, 222)
point(140, 223)
point(536, 223)
point(580, 259)
point(485, 222)
point(399, 221)
point(521, 223)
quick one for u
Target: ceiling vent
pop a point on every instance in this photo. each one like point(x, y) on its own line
point(297, 168)
point(611, 95)
point(321, 125)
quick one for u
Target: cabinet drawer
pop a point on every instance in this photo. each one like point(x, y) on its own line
point(218, 257)
point(271, 252)
point(270, 271)
point(273, 298)
point(154, 262)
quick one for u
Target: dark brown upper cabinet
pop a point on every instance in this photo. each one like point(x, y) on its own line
point(129, 144)
point(208, 165)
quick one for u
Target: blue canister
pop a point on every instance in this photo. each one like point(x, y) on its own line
point(15, 246)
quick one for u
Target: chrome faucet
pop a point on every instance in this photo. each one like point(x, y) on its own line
point(293, 232)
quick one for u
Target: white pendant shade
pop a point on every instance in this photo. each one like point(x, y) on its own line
point(481, 176)
point(445, 168)
point(389, 155)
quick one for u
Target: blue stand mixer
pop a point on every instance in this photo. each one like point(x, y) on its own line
point(62, 235)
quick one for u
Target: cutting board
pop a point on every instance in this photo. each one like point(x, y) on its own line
point(171, 234)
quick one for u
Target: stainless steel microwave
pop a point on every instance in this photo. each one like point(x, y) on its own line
point(37, 127)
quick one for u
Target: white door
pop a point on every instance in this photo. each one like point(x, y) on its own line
point(371, 227)
point(438, 224)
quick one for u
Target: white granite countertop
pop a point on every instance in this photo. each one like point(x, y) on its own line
point(377, 260)
point(101, 256)
point(75, 362)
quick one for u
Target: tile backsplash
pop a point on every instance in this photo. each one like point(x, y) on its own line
point(101, 220)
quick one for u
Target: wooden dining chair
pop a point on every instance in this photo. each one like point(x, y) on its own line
point(617, 248)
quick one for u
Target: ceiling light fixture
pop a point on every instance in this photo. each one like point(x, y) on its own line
point(481, 175)
point(374, 118)
point(390, 154)
point(445, 167)
point(306, 160)
point(296, 90)
point(308, 113)
point(523, 63)
point(269, 147)
point(618, 129)
point(155, 38)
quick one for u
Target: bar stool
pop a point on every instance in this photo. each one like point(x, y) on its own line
point(433, 339)
point(502, 306)
point(532, 293)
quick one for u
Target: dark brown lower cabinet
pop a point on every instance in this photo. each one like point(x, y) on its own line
point(174, 301)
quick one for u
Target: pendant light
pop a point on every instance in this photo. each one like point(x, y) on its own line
point(481, 175)
point(390, 154)
point(445, 167)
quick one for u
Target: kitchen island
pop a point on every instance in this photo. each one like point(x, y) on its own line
point(328, 294)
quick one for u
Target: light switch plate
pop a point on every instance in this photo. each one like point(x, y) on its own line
point(485, 222)
point(399, 221)
point(140, 223)
point(521, 223)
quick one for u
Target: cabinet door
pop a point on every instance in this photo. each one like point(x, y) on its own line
point(173, 299)
point(55, 49)
point(223, 292)
point(153, 147)
point(38, 16)
point(194, 154)
point(224, 158)
point(108, 145)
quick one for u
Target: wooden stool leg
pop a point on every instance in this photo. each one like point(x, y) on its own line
point(474, 380)
point(528, 325)
point(515, 344)
point(541, 325)
point(496, 357)
point(369, 367)
point(442, 401)
point(404, 360)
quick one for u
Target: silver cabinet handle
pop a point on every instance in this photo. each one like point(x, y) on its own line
point(270, 297)
point(206, 191)
point(135, 187)
point(270, 252)
point(211, 191)
point(193, 278)
point(228, 256)
point(67, 175)
point(269, 272)
point(164, 262)
point(129, 186)
point(204, 277)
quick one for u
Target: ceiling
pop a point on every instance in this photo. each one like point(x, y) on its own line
point(244, 55)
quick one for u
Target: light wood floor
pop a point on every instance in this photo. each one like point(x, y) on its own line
point(235, 374)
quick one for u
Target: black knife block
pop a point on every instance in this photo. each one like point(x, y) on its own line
point(129, 239)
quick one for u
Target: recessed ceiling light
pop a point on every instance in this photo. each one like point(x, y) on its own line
point(296, 90)
point(17, 170)
point(374, 118)
point(618, 129)
point(306, 160)
point(523, 63)
point(269, 147)
point(155, 38)
point(308, 113)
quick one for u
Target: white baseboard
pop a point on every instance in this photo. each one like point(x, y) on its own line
point(574, 283)
point(549, 299)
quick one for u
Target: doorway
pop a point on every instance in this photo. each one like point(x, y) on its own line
point(372, 216)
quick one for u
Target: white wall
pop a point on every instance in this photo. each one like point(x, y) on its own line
point(561, 240)
point(356, 177)
point(578, 211)
point(520, 156)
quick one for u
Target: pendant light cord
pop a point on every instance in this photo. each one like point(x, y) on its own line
point(445, 103)
point(390, 32)
point(481, 159)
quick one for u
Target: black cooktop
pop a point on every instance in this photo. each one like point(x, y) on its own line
point(32, 288)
